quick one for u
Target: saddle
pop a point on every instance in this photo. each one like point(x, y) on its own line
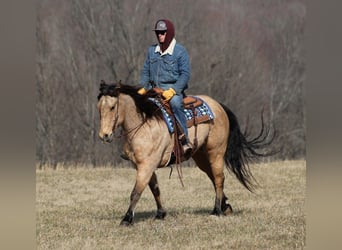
point(191, 103)
point(196, 111)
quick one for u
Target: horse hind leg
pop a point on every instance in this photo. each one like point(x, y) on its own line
point(218, 184)
point(221, 206)
point(153, 184)
point(225, 206)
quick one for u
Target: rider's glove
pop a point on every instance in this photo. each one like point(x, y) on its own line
point(142, 91)
point(168, 94)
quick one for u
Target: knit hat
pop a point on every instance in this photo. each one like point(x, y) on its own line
point(164, 24)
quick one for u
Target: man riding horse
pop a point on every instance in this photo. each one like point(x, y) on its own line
point(167, 67)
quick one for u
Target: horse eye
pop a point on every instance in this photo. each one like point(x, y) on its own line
point(112, 108)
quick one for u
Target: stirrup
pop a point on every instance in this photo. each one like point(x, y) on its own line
point(187, 150)
point(182, 137)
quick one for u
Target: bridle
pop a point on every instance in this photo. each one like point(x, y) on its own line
point(116, 118)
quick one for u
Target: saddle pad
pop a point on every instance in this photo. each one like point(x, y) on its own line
point(203, 113)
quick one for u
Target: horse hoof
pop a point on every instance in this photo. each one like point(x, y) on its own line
point(160, 215)
point(127, 219)
point(216, 212)
point(228, 209)
point(126, 223)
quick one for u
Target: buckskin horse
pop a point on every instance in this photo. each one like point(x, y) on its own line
point(149, 145)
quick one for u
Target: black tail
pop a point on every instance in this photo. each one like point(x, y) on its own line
point(241, 151)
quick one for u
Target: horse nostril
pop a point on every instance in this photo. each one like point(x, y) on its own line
point(106, 137)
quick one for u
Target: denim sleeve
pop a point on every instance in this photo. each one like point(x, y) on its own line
point(184, 71)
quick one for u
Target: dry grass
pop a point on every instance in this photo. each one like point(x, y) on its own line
point(81, 208)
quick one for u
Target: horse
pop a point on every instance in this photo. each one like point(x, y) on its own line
point(148, 144)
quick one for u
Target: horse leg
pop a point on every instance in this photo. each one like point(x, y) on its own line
point(218, 174)
point(143, 177)
point(153, 184)
point(217, 168)
point(221, 205)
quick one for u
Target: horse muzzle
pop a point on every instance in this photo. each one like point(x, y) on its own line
point(107, 138)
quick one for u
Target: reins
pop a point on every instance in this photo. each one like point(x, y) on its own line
point(116, 117)
point(177, 146)
point(178, 154)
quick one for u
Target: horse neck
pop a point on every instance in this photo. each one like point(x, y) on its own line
point(132, 118)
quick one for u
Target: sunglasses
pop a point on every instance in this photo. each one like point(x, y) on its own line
point(160, 32)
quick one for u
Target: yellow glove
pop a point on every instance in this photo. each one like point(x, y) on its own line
point(168, 94)
point(142, 91)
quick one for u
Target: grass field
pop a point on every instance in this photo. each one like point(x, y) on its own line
point(81, 208)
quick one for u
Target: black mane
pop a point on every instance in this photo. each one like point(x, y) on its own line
point(142, 102)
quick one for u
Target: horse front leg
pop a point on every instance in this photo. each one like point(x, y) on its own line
point(129, 216)
point(143, 178)
point(153, 184)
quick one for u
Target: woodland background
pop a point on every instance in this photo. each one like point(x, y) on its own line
point(246, 54)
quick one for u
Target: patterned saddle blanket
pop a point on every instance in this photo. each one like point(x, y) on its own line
point(202, 114)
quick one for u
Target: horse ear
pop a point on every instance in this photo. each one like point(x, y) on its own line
point(102, 83)
point(116, 90)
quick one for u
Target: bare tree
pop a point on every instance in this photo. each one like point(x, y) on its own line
point(246, 54)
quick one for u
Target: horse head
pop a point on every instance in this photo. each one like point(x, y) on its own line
point(108, 107)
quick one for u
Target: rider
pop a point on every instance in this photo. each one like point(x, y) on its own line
point(167, 66)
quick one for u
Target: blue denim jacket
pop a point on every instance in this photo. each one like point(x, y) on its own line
point(166, 71)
